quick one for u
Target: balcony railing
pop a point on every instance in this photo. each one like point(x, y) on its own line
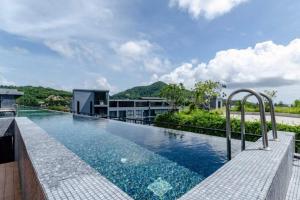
point(100, 103)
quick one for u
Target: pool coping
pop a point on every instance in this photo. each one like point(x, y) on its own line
point(58, 179)
point(253, 174)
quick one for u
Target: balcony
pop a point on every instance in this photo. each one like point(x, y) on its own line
point(100, 103)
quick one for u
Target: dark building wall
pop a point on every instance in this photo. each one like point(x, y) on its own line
point(6, 140)
point(7, 101)
point(6, 149)
point(84, 98)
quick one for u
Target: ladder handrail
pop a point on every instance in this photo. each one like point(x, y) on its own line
point(272, 114)
point(262, 118)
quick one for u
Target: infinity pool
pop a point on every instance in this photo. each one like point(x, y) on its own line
point(146, 162)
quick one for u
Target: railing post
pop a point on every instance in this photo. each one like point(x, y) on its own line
point(228, 129)
point(272, 113)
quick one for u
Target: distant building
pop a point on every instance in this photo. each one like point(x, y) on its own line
point(8, 99)
point(97, 103)
point(216, 103)
point(145, 108)
point(90, 102)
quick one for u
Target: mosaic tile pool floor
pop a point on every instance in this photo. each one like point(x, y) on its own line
point(145, 162)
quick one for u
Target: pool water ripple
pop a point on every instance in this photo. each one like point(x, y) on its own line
point(145, 162)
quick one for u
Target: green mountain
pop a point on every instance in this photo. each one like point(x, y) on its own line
point(152, 90)
point(61, 100)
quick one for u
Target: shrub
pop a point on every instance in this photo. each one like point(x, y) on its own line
point(212, 123)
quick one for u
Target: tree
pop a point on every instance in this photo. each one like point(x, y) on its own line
point(271, 93)
point(205, 91)
point(175, 94)
point(296, 103)
point(28, 100)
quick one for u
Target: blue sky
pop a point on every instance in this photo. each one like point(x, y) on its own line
point(119, 44)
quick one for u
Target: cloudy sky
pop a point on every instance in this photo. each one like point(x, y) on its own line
point(119, 44)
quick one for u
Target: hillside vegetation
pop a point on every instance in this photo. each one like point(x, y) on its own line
point(152, 90)
point(45, 97)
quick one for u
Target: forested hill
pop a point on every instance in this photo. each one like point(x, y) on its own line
point(41, 96)
point(152, 90)
point(61, 100)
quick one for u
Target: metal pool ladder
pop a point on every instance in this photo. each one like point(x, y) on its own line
point(263, 124)
point(272, 114)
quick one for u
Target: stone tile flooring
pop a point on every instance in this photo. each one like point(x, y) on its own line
point(293, 192)
point(9, 182)
point(248, 176)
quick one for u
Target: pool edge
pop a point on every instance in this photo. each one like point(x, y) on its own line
point(54, 178)
point(252, 174)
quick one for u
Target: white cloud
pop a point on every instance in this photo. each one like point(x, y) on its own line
point(157, 65)
point(186, 73)
point(20, 50)
point(61, 47)
point(73, 28)
point(54, 19)
point(143, 53)
point(102, 83)
point(80, 50)
point(99, 82)
point(3, 80)
point(82, 32)
point(15, 49)
point(265, 65)
point(209, 9)
point(135, 49)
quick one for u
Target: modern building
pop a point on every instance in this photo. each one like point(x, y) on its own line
point(90, 102)
point(8, 102)
point(97, 103)
point(145, 108)
point(216, 103)
point(8, 97)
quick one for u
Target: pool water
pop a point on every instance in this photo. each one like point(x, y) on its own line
point(146, 162)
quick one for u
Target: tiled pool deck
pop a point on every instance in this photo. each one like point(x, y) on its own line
point(61, 173)
point(48, 170)
point(252, 174)
point(293, 192)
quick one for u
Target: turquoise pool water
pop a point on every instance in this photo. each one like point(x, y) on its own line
point(145, 162)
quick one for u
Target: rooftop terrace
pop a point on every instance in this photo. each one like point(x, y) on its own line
point(54, 172)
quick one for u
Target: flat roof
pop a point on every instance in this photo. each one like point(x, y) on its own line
point(90, 90)
point(152, 98)
point(140, 100)
point(6, 91)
